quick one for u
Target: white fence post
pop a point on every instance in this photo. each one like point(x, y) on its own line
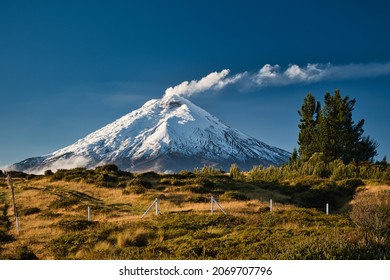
point(89, 214)
point(156, 206)
point(216, 202)
point(155, 202)
point(212, 205)
point(327, 209)
point(270, 205)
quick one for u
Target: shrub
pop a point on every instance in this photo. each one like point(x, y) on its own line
point(198, 199)
point(49, 173)
point(234, 195)
point(171, 181)
point(107, 168)
point(75, 225)
point(139, 182)
point(185, 173)
point(23, 253)
point(62, 246)
point(235, 172)
point(351, 184)
point(133, 190)
point(198, 189)
point(29, 211)
point(140, 238)
point(64, 202)
point(205, 183)
point(107, 181)
point(5, 237)
point(371, 214)
point(326, 192)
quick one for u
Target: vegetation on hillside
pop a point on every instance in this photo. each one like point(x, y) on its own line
point(54, 225)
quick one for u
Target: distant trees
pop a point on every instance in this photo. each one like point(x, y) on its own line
point(329, 129)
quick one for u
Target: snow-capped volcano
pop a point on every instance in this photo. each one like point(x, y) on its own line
point(167, 134)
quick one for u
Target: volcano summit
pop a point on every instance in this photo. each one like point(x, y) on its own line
point(164, 135)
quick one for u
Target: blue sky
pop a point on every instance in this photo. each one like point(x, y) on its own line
point(69, 67)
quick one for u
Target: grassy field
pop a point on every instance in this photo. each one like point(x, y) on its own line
point(53, 218)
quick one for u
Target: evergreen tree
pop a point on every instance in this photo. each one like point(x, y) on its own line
point(332, 131)
point(308, 123)
point(294, 157)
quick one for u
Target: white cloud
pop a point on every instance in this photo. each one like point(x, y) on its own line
point(269, 71)
point(70, 163)
point(214, 80)
point(273, 76)
point(295, 72)
point(222, 83)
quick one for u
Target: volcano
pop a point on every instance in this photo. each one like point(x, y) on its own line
point(164, 135)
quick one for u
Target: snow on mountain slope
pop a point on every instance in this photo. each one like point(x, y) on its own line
point(167, 134)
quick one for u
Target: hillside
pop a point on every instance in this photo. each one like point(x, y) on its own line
point(53, 218)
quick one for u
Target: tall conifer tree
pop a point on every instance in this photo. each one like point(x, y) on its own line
point(308, 124)
point(332, 131)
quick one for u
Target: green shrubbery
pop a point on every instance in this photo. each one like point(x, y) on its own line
point(106, 176)
point(76, 225)
point(293, 234)
point(316, 166)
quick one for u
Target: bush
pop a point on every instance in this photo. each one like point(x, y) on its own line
point(64, 202)
point(62, 246)
point(133, 190)
point(108, 168)
point(185, 173)
point(139, 238)
point(235, 172)
point(234, 195)
point(326, 192)
point(171, 181)
point(351, 184)
point(23, 253)
point(371, 214)
point(139, 182)
point(5, 237)
point(107, 181)
point(49, 173)
point(198, 199)
point(29, 211)
point(205, 183)
point(76, 225)
point(197, 189)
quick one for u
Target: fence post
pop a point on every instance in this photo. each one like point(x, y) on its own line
point(156, 201)
point(270, 205)
point(216, 202)
point(89, 214)
point(327, 209)
point(212, 205)
point(11, 185)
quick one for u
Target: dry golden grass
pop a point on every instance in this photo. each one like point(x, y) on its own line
point(110, 206)
point(376, 188)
